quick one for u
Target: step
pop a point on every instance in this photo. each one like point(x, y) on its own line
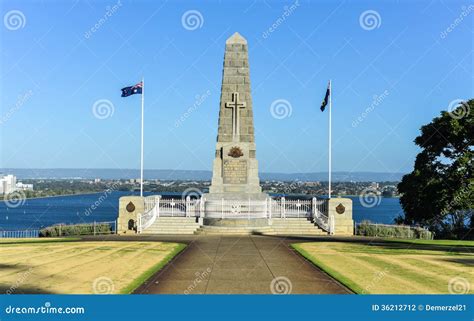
point(294, 225)
point(175, 224)
point(201, 232)
point(167, 218)
point(232, 230)
point(311, 227)
point(270, 230)
point(169, 232)
point(305, 227)
point(172, 227)
point(291, 220)
point(296, 234)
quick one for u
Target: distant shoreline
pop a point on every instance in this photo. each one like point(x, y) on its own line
point(159, 193)
point(199, 175)
point(50, 196)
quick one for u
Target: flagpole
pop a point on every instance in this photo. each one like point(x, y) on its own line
point(330, 138)
point(141, 151)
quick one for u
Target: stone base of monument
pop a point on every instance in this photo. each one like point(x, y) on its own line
point(235, 209)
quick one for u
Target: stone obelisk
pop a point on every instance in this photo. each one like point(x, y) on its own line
point(235, 170)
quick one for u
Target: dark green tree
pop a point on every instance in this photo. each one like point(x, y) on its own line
point(439, 193)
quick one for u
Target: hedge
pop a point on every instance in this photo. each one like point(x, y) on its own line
point(76, 229)
point(367, 228)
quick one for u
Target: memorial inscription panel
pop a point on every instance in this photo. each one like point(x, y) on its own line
point(235, 171)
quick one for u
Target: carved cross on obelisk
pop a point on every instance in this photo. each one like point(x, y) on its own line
point(235, 104)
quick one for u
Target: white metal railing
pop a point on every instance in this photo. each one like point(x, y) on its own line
point(321, 215)
point(284, 208)
point(152, 211)
point(298, 208)
point(313, 209)
point(19, 234)
point(155, 207)
point(233, 209)
point(173, 207)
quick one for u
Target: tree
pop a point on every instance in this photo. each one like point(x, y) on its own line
point(439, 192)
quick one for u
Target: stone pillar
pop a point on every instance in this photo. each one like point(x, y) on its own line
point(341, 211)
point(235, 169)
point(129, 207)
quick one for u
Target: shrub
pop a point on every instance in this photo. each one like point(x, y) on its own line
point(76, 229)
point(366, 228)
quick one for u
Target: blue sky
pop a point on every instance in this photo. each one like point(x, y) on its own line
point(59, 58)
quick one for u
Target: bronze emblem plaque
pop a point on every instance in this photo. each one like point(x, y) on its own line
point(130, 207)
point(235, 152)
point(340, 209)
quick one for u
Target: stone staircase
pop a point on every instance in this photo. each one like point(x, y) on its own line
point(291, 226)
point(295, 226)
point(173, 225)
point(189, 225)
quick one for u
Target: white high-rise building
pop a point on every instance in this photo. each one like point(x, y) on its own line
point(7, 184)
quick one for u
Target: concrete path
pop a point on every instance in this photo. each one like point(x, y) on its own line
point(240, 265)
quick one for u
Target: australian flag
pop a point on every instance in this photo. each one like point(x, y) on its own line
point(326, 97)
point(132, 90)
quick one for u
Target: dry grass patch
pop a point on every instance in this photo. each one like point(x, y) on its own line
point(396, 267)
point(71, 267)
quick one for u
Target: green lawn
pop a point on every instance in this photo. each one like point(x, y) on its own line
point(456, 243)
point(396, 266)
point(69, 266)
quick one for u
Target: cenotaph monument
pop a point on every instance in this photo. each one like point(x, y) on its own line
point(235, 202)
point(235, 169)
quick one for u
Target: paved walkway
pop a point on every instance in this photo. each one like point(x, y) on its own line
point(240, 265)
